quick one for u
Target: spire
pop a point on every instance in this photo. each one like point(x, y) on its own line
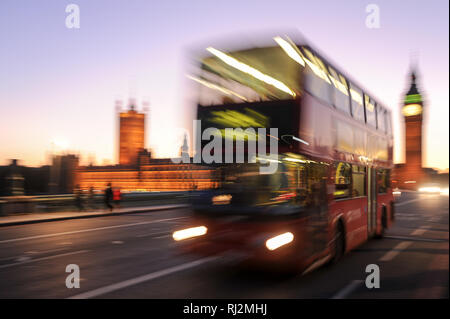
point(184, 150)
point(413, 95)
point(185, 147)
point(132, 104)
point(413, 88)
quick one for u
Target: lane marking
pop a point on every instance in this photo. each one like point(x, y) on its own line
point(316, 265)
point(408, 202)
point(165, 236)
point(159, 233)
point(47, 251)
point(347, 290)
point(395, 251)
point(85, 230)
point(33, 252)
point(11, 257)
point(418, 232)
point(140, 279)
point(430, 240)
point(43, 258)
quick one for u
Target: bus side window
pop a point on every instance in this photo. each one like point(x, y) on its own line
point(359, 181)
point(370, 111)
point(340, 91)
point(381, 119)
point(343, 180)
point(388, 123)
point(316, 80)
point(357, 103)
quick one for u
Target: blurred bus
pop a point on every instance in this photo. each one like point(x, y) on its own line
point(331, 190)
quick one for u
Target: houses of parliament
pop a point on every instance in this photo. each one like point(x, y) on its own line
point(137, 170)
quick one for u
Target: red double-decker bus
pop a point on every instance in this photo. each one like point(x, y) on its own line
point(330, 191)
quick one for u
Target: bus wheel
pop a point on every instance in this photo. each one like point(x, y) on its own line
point(338, 244)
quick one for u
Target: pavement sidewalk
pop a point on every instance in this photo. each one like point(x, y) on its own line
point(22, 219)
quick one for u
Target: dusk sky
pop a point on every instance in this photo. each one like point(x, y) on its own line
point(60, 83)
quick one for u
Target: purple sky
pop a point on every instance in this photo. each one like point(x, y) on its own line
point(60, 83)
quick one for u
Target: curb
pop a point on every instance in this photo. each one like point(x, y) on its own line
point(36, 221)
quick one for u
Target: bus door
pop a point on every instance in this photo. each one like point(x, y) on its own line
point(371, 201)
point(317, 178)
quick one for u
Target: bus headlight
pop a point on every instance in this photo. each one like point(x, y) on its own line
point(189, 233)
point(280, 240)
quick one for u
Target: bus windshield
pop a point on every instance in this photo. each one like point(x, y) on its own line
point(248, 177)
point(295, 183)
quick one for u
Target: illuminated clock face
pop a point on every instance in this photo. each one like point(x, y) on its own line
point(412, 109)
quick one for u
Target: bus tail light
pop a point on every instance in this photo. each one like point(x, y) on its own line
point(280, 240)
point(189, 233)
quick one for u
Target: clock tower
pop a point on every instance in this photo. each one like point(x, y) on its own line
point(412, 113)
point(411, 174)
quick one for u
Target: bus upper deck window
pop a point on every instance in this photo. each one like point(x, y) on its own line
point(381, 118)
point(388, 123)
point(317, 81)
point(357, 103)
point(370, 111)
point(340, 91)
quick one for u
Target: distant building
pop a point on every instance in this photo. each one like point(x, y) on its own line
point(17, 180)
point(14, 180)
point(62, 173)
point(138, 170)
point(131, 135)
point(150, 175)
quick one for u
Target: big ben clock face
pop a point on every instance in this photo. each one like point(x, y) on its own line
point(412, 109)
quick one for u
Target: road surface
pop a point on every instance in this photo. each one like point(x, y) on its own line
point(134, 256)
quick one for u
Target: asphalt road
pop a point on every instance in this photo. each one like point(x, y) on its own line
point(134, 256)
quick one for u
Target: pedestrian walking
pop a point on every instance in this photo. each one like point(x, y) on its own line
point(78, 198)
point(91, 198)
point(108, 197)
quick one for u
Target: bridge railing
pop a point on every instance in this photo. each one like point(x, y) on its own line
point(67, 202)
